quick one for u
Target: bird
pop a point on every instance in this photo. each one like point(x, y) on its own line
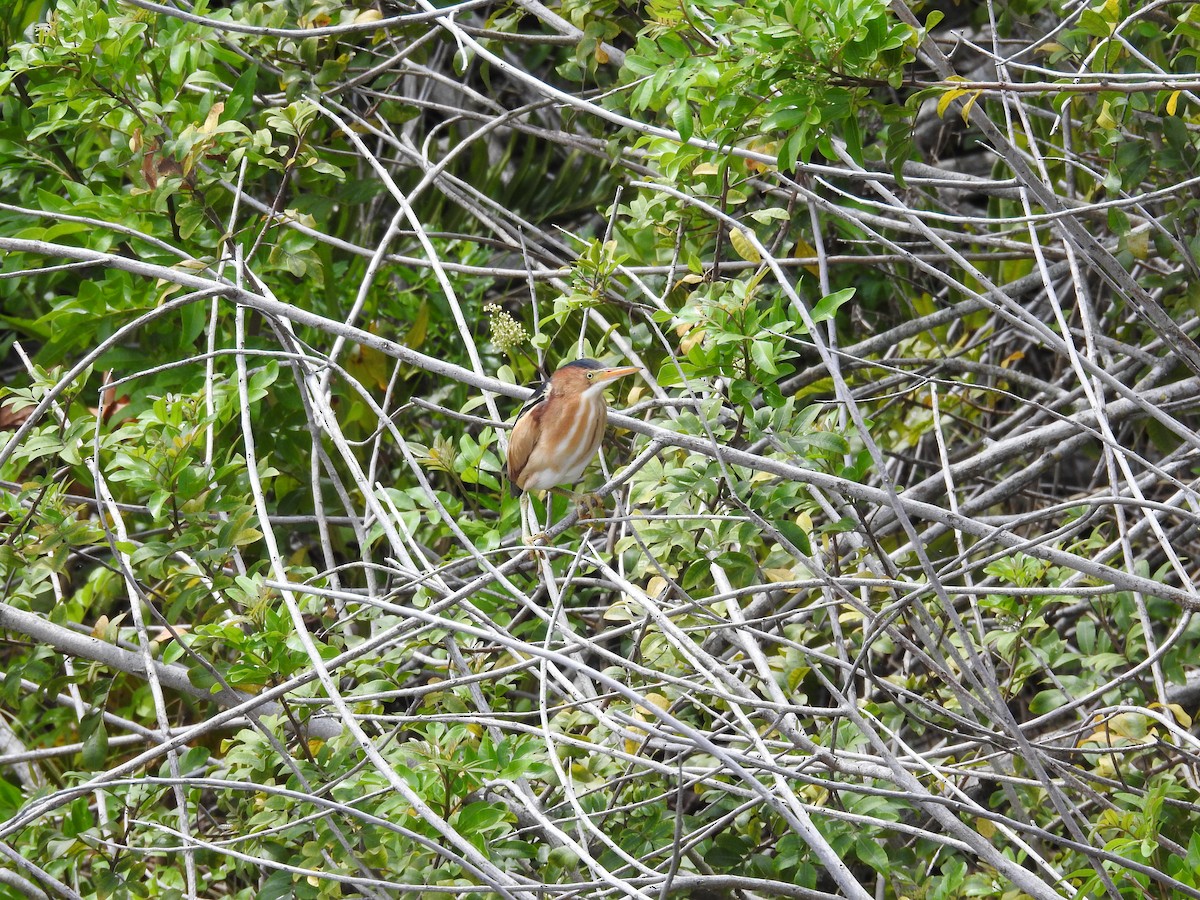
point(558, 431)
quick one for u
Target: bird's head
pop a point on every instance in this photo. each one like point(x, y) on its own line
point(586, 377)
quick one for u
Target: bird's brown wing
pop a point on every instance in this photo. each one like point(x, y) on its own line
point(524, 438)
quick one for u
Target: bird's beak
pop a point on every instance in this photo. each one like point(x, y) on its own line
point(607, 375)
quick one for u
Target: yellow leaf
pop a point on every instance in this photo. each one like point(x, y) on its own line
point(300, 218)
point(948, 98)
point(745, 249)
point(213, 119)
point(642, 714)
point(1105, 119)
point(694, 336)
point(805, 250)
point(369, 366)
point(601, 55)
point(1138, 243)
point(1133, 726)
point(368, 15)
point(1173, 102)
point(766, 148)
point(706, 168)
point(966, 110)
point(1180, 716)
point(1015, 356)
point(817, 796)
point(1175, 710)
point(620, 611)
point(655, 699)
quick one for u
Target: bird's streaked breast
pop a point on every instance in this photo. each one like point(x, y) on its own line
point(571, 435)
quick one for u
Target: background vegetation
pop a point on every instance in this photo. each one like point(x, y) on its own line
point(893, 591)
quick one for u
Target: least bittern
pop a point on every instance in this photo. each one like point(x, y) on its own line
point(559, 430)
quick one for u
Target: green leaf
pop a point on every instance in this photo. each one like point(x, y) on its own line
point(795, 535)
point(1095, 24)
point(871, 853)
point(681, 117)
point(480, 817)
point(763, 355)
point(10, 798)
point(79, 818)
point(95, 748)
point(1192, 860)
point(791, 150)
point(828, 305)
point(278, 886)
point(828, 442)
point(241, 98)
point(1046, 701)
point(786, 119)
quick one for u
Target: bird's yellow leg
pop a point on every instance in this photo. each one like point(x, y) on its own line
point(531, 532)
point(524, 501)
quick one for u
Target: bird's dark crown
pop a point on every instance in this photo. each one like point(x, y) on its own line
point(582, 364)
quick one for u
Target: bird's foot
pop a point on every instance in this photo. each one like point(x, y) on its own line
point(534, 544)
point(590, 506)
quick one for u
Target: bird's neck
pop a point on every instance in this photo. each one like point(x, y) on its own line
point(593, 393)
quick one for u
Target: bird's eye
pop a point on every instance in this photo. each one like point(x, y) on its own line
point(591, 375)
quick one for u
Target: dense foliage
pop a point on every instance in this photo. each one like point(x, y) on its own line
point(891, 590)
